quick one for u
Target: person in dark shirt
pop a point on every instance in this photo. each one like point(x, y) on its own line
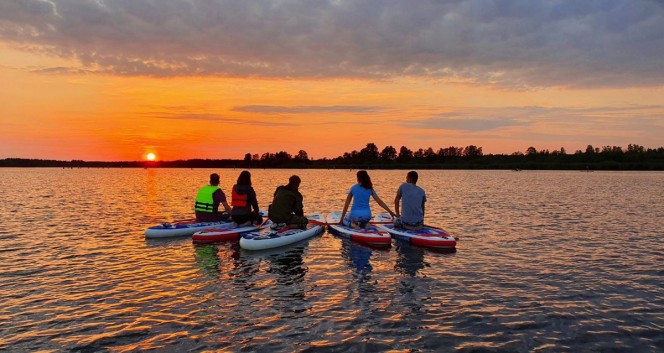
point(287, 205)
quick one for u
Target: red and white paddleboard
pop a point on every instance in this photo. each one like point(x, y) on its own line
point(430, 237)
point(372, 235)
point(182, 228)
point(226, 233)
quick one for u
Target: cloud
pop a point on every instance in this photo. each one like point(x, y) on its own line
point(518, 43)
point(565, 120)
point(271, 109)
point(457, 123)
point(478, 119)
point(219, 119)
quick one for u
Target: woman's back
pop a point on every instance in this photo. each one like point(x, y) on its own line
point(361, 198)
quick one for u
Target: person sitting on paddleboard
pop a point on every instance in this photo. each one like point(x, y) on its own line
point(243, 200)
point(207, 202)
point(287, 207)
point(412, 198)
point(360, 213)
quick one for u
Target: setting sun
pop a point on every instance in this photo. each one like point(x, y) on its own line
point(151, 156)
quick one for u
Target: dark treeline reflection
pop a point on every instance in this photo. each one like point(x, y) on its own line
point(633, 157)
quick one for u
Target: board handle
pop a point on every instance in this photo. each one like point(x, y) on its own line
point(383, 218)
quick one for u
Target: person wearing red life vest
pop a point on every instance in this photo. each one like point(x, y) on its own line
point(244, 202)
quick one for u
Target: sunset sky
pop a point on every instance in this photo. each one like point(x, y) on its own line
point(110, 80)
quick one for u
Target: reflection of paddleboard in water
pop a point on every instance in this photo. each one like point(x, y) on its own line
point(225, 234)
point(372, 235)
point(430, 237)
point(357, 255)
point(410, 258)
point(268, 237)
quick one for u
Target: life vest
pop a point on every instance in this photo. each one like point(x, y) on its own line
point(204, 200)
point(239, 200)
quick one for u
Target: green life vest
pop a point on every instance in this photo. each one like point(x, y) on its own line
point(204, 200)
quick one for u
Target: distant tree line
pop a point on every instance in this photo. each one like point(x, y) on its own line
point(634, 157)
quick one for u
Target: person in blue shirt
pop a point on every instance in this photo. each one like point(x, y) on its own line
point(360, 212)
point(412, 199)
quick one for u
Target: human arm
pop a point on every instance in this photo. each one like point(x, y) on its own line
point(219, 198)
point(343, 213)
point(424, 199)
point(227, 207)
point(253, 200)
point(397, 200)
point(382, 204)
point(298, 206)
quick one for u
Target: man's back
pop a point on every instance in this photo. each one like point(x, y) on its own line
point(285, 203)
point(412, 198)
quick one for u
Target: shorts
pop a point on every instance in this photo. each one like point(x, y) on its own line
point(361, 220)
point(398, 223)
point(211, 217)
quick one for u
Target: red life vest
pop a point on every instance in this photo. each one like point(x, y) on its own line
point(239, 200)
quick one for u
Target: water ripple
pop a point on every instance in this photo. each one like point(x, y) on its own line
point(546, 262)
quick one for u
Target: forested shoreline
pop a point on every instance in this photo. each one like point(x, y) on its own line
point(633, 157)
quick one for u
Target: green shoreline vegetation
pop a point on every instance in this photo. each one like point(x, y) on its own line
point(634, 157)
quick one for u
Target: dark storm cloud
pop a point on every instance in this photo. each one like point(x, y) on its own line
point(514, 43)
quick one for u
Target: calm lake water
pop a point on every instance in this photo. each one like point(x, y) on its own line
point(546, 261)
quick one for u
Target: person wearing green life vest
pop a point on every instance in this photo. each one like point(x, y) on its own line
point(207, 202)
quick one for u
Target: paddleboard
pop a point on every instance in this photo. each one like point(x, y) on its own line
point(182, 228)
point(232, 232)
point(268, 238)
point(373, 235)
point(187, 227)
point(429, 237)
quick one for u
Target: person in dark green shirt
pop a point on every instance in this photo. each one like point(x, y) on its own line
point(287, 207)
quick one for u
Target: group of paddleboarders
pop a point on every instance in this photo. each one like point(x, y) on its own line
point(411, 196)
point(286, 207)
point(287, 203)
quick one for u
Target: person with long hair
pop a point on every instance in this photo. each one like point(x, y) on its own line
point(244, 202)
point(360, 212)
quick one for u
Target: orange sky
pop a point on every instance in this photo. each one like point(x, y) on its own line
point(69, 106)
